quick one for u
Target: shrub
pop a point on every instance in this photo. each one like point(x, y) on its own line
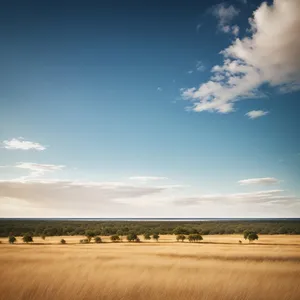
point(62, 241)
point(147, 236)
point(43, 236)
point(195, 237)
point(115, 238)
point(131, 237)
point(180, 237)
point(27, 238)
point(89, 234)
point(98, 239)
point(155, 236)
point(12, 239)
point(250, 235)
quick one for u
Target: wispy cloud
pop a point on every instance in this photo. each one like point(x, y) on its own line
point(260, 197)
point(147, 178)
point(159, 89)
point(270, 55)
point(199, 66)
point(253, 114)
point(21, 144)
point(37, 170)
point(225, 14)
point(259, 181)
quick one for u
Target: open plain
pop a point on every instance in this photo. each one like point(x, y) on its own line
point(217, 268)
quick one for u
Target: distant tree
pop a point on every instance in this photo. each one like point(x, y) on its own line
point(62, 241)
point(97, 239)
point(43, 236)
point(89, 234)
point(246, 233)
point(155, 236)
point(27, 238)
point(147, 236)
point(12, 239)
point(115, 238)
point(180, 230)
point(196, 237)
point(131, 237)
point(252, 236)
point(180, 237)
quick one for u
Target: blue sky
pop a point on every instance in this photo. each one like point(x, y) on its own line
point(153, 109)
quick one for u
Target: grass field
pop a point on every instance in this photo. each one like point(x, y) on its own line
point(217, 268)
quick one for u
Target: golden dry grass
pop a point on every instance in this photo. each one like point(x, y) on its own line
point(164, 270)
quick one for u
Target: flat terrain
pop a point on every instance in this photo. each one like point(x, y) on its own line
point(217, 268)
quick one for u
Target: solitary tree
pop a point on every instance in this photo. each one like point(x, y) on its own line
point(155, 236)
point(12, 239)
point(180, 237)
point(147, 236)
point(27, 238)
point(97, 239)
point(115, 238)
point(89, 234)
point(250, 235)
point(62, 241)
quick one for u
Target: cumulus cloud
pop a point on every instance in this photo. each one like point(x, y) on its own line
point(147, 178)
point(253, 114)
point(37, 170)
point(260, 197)
point(224, 14)
point(21, 144)
point(269, 55)
point(259, 181)
point(71, 194)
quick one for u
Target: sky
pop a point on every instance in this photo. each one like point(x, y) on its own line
point(150, 109)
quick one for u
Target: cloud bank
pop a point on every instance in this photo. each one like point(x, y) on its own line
point(269, 55)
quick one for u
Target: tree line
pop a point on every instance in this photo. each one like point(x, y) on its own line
point(10, 227)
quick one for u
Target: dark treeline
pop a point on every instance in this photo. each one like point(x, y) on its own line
point(106, 228)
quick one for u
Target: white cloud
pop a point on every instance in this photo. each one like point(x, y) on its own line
point(198, 27)
point(260, 197)
point(235, 30)
point(147, 178)
point(159, 89)
point(224, 14)
point(253, 114)
point(21, 144)
point(259, 181)
point(37, 170)
point(190, 72)
point(270, 55)
point(199, 66)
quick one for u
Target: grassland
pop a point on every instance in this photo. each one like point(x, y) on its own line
point(217, 268)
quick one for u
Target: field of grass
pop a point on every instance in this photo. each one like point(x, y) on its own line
point(217, 268)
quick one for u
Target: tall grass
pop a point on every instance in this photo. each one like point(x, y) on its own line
point(150, 271)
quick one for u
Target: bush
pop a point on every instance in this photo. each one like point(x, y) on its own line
point(250, 235)
point(62, 241)
point(131, 237)
point(155, 236)
point(195, 237)
point(27, 238)
point(115, 238)
point(98, 239)
point(89, 234)
point(12, 239)
point(180, 237)
point(147, 236)
point(43, 236)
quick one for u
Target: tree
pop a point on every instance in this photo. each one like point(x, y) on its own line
point(12, 239)
point(27, 238)
point(89, 234)
point(155, 236)
point(180, 230)
point(196, 237)
point(180, 237)
point(115, 238)
point(98, 239)
point(131, 237)
point(252, 236)
point(147, 236)
point(62, 241)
